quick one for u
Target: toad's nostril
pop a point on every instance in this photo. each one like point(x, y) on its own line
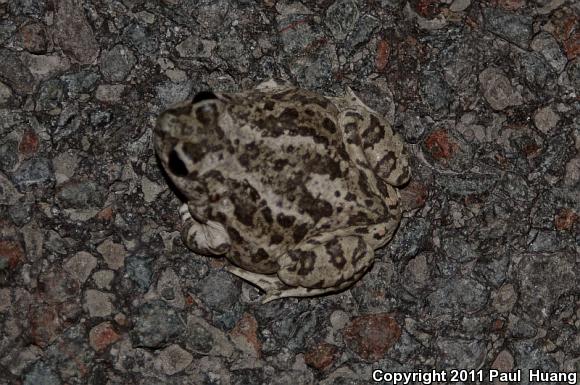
point(176, 165)
point(203, 95)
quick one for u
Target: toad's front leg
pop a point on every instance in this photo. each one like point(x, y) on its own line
point(209, 238)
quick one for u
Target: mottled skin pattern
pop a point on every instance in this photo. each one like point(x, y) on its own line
point(297, 190)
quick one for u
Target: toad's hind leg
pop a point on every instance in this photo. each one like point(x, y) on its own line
point(382, 148)
point(276, 289)
point(316, 267)
point(203, 238)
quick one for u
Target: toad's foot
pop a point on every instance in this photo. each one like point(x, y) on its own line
point(270, 283)
point(274, 288)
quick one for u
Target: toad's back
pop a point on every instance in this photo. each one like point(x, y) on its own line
point(287, 176)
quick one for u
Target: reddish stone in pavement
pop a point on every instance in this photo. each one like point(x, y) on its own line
point(427, 8)
point(571, 37)
point(572, 46)
point(321, 356)
point(102, 335)
point(11, 253)
point(510, 5)
point(383, 54)
point(45, 325)
point(565, 219)
point(497, 325)
point(371, 336)
point(106, 214)
point(73, 33)
point(413, 195)
point(440, 146)
point(567, 33)
point(28, 143)
point(33, 38)
point(247, 327)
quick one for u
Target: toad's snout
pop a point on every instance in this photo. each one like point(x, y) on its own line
point(165, 123)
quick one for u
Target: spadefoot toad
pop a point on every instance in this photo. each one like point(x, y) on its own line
point(295, 189)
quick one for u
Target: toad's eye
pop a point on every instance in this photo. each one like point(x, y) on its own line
point(176, 165)
point(203, 95)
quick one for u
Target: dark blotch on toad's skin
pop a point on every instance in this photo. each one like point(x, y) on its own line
point(351, 133)
point(403, 177)
point(358, 219)
point(382, 186)
point(276, 239)
point(244, 209)
point(195, 151)
point(300, 232)
point(304, 260)
point(279, 164)
point(322, 165)
point(316, 208)
point(271, 126)
point(359, 252)
point(245, 159)
point(350, 197)
point(374, 133)
point(334, 249)
point(364, 185)
point(260, 255)
point(329, 125)
point(289, 116)
point(267, 214)
point(234, 235)
point(361, 230)
point(285, 220)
